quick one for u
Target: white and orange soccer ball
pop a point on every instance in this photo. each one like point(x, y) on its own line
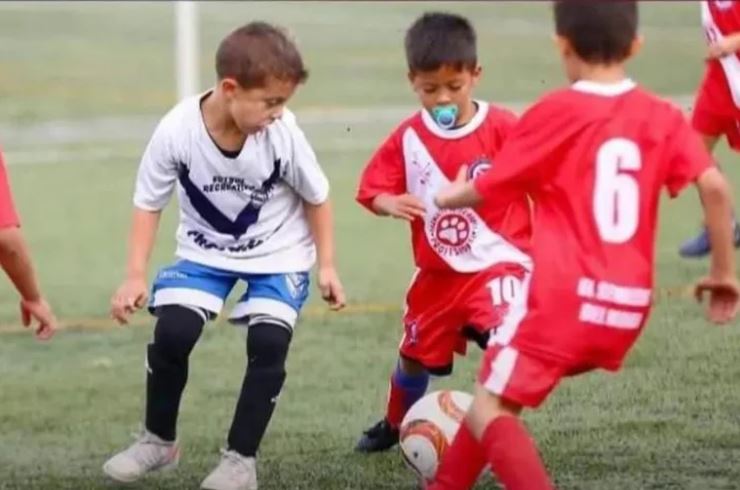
point(429, 428)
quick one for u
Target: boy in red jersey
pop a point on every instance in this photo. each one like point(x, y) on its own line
point(717, 108)
point(470, 262)
point(594, 157)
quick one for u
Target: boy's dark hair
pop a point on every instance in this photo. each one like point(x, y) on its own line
point(439, 39)
point(600, 31)
point(257, 51)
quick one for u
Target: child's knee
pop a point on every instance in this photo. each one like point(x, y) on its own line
point(177, 330)
point(267, 345)
point(411, 367)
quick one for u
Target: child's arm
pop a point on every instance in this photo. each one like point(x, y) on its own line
point(403, 206)
point(155, 182)
point(460, 194)
point(132, 294)
point(320, 220)
point(306, 177)
point(721, 283)
point(726, 46)
point(382, 187)
point(15, 260)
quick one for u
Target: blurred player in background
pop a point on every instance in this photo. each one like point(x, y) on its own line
point(717, 107)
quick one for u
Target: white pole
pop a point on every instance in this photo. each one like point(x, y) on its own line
point(186, 48)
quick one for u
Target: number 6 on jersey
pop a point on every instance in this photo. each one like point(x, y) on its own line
point(617, 194)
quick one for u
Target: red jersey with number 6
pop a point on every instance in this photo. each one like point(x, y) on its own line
point(594, 158)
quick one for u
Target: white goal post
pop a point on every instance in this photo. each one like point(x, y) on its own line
point(186, 48)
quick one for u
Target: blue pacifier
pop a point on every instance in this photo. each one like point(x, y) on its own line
point(445, 116)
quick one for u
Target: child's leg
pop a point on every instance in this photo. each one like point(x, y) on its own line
point(492, 433)
point(175, 334)
point(463, 462)
point(508, 446)
point(408, 384)
point(267, 350)
point(270, 309)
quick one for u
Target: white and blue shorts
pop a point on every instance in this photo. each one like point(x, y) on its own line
point(268, 297)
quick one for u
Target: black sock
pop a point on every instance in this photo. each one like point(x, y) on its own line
point(267, 349)
point(178, 329)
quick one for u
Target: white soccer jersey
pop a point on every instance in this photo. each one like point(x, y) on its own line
point(241, 214)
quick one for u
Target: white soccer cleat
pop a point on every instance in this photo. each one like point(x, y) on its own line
point(149, 453)
point(234, 472)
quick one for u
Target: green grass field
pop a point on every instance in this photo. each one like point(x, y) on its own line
point(81, 87)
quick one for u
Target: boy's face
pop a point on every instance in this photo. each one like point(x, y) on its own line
point(444, 86)
point(253, 109)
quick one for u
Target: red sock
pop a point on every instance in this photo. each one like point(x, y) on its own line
point(513, 455)
point(404, 391)
point(462, 463)
point(396, 408)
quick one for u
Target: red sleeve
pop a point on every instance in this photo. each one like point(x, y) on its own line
point(688, 158)
point(8, 216)
point(505, 121)
point(384, 173)
point(527, 156)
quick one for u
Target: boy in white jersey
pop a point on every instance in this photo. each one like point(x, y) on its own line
point(253, 202)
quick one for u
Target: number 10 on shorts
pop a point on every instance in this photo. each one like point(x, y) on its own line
point(505, 290)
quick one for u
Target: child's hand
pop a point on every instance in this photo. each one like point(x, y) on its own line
point(331, 288)
point(40, 311)
point(459, 194)
point(404, 206)
point(724, 295)
point(131, 296)
point(724, 47)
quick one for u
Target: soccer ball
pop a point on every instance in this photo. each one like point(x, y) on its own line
point(429, 428)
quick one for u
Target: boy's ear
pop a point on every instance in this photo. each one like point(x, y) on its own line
point(563, 45)
point(477, 72)
point(229, 86)
point(411, 76)
point(636, 45)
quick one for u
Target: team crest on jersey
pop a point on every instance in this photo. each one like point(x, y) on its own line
point(478, 168)
point(452, 232)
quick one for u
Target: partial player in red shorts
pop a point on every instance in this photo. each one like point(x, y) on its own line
point(595, 158)
point(15, 260)
point(470, 262)
point(717, 107)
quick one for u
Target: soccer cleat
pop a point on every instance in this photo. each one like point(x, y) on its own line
point(148, 453)
point(379, 437)
point(699, 246)
point(234, 472)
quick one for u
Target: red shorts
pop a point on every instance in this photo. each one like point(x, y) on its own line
point(445, 309)
point(522, 378)
point(715, 113)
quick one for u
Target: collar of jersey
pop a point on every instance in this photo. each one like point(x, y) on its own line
point(450, 134)
point(604, 89)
